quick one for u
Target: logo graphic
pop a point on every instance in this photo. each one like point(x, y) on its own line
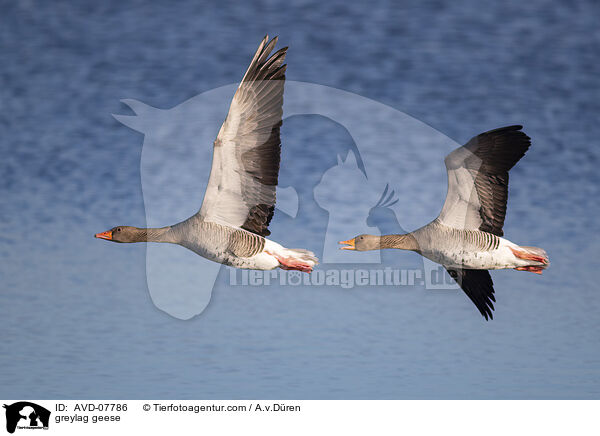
point(26, 415)
point(336, 190)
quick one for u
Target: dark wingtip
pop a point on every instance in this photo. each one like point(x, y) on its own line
point(504, 129)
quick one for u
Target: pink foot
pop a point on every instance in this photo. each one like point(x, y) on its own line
point(290, 263)
point(533, 269)
point(528, 256)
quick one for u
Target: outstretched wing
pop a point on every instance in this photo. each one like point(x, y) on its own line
point(246, 153)
point(478, 285)
point(478, 179)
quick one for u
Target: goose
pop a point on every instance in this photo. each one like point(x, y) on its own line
point(466, 237)
point(232, 224)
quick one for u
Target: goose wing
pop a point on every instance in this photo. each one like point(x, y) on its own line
point(478, 179)
point(478, 285)
point(246, 153)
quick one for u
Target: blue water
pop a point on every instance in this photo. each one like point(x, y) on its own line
point(75, 313)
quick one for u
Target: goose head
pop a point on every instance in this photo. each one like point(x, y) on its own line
point(123, 234)
point(362, 243)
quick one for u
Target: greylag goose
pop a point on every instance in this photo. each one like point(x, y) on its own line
point(466, 237)
point(232, 224)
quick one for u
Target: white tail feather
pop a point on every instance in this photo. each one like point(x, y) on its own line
point(537, 251)
point(303, 255)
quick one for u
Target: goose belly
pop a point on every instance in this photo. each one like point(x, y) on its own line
point(222, 254)
point(261, 261)
point(227, 245)
point(470, 257)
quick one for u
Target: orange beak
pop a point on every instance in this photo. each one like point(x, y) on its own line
point(350, 243)
point(105, 235)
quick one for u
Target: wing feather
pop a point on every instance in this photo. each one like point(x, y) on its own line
point(246, 154)
point(478, 285)
point(478, 179)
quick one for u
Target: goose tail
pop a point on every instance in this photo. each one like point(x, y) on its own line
point(539, 253)
point(296, 259)
point(536, 254)
point(304, 255)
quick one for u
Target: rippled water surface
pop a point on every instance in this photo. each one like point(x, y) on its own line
point(76, 315)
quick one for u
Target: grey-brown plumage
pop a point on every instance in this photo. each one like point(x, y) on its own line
point(215, 241)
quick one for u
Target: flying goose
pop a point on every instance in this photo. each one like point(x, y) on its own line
point(466, 238)
point(232, 224)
